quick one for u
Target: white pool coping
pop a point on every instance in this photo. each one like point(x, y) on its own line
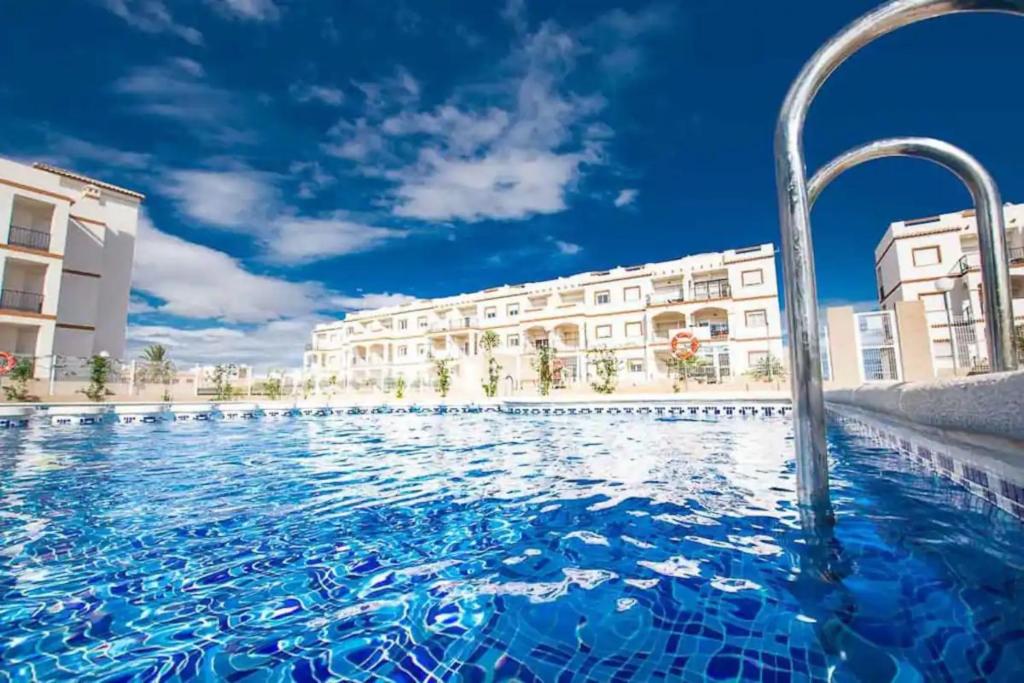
point(989, 405)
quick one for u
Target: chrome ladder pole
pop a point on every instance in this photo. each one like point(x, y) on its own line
point(801, 295)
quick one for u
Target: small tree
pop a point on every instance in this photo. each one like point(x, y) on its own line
point(606, 366)
point(99, 373)
point(545, 366)
point(684, 368)
point(489, 341)
point(272, 388)
point(767, 369)
point(442, 367)
point(157, 368)
point(307, 387)
point(400, 387)
point(20, 375)
point(221, 376)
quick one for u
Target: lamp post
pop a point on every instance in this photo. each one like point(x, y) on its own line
point(945, 285)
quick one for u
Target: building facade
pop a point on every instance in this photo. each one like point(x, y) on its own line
point(66, 249)
point(917, 258)
point(728, 300)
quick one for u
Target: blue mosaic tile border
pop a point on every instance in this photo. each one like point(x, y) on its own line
point(1000, 484)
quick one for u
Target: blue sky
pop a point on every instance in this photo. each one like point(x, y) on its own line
point(303, 158)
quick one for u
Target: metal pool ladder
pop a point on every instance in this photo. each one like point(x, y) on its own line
point(796, 197)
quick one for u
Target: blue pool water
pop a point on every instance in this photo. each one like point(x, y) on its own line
point(490, 547)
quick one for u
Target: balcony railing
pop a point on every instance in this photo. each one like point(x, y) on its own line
point(710, 289)
point(1016, 254)
point(719, 330)
point(966, 262)
point(13, 299)
point(455, 324)
point(29, 238)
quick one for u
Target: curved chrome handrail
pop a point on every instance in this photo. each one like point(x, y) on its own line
point(797, 249)
point(974, 176)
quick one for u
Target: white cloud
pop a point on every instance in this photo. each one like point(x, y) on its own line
point(152, 16)
point(311, 92)
point(370, 301)
point(616, 35)
point(247, 201)
point(178, 90)
point(500, 162)
point(194, 281)
point(626, 197)
point(233, 199)
point(568, 248)
point(299, 240)
point(263, 321)
point(354, 141)
point(251, 10)
point(504, 185)
point(311, 177)
point(277, 344)
point(67, 150)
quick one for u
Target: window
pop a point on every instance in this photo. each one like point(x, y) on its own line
point(634, 329)
point(403, 324)
point(512, 310)
point(631, 294)
point(421, 322)
point(490, 312)
point(755, 358)
point(603, 331)
point(421, 349)
point(752, 278)
point(635, 365)
point(604, 297)
point(403, 351)
point(926, 256)
point(758, 318)
point(513, 340)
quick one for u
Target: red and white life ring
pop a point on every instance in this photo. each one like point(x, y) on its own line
point(7, 362)
point(685, 345)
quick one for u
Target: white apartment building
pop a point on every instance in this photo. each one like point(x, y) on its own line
point(914, 255)
point(729, 300)
point(66, 249)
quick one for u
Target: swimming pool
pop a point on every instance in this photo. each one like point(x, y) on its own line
point(490, 547)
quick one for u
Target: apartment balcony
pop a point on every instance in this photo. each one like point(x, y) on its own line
point(17, 300)
point(455, 324)
point(718, 331)
point(29, 238)
point(673, 297)
point(709, 290)
point(968, 261)
point(1016, 255)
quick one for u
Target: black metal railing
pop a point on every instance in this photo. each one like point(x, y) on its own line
point(710, 289)
point(27, 237)
point(13, 299)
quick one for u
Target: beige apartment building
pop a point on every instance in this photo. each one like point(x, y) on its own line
point(916, 258)
point(66, 249)
point(728, 300)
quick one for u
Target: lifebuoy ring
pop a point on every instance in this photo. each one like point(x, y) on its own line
point(7, 362)
point(685, 345)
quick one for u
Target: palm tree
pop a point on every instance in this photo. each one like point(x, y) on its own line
point(159, 367)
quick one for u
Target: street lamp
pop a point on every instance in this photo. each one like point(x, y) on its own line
point(945, 285)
